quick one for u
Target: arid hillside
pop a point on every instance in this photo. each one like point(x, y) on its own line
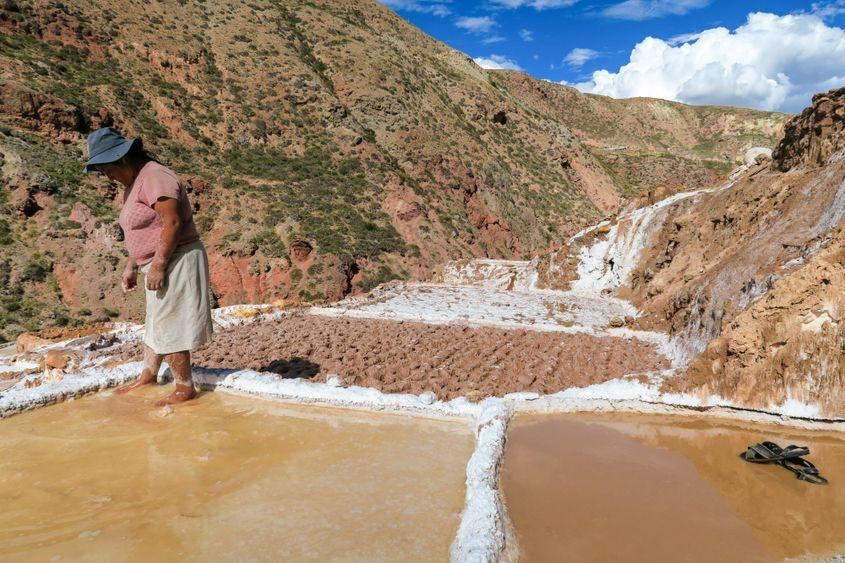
point(650, 145)
point(330, 146)
point(747, 277)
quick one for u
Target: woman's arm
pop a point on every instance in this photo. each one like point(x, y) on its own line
point(168, 210)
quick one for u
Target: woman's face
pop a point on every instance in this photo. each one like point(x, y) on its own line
point(118, 171)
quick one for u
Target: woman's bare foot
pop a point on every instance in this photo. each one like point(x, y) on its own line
point(146, 378)
point(180, 395)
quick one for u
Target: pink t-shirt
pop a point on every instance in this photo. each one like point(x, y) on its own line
point(141, 224)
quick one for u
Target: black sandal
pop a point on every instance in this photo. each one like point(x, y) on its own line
point(789, 458)
point(769, 452)
point(804, 470)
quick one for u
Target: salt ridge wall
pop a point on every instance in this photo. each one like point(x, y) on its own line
point(608, 263)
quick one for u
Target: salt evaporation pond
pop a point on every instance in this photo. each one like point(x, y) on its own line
point(646, 488)
point(228, 478)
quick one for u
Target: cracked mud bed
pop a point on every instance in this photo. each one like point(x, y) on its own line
point(409, 357)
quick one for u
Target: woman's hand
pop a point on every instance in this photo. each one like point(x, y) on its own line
point(129, 280)
point(155, 277)
point(168, 210)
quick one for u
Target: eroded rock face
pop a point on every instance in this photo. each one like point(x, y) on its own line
point(410, 210)
point(39, 111)
point(81, 213)
point(197, 185)
point(29, 193)
point(812, 137)
point(101, 118)
point(757, 155)
point(58, 362)
point(787, 346)
point(27, 341)
point(747, 278)
point(60, 358)
point(300, 250)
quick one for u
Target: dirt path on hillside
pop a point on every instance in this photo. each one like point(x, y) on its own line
point(407, 357)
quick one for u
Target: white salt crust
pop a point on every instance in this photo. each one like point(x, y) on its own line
point(485, 532)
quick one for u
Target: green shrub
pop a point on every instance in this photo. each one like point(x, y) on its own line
point(330, 199)
point(383, 275)
point(67, 225)
point(315, 269)
point(204, 223)
point(5, 233)
point(269, 243)
point(37, 268)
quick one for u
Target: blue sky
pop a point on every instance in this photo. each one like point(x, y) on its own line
point(769, 55)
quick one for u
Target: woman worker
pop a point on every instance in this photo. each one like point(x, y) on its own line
point(163, 243)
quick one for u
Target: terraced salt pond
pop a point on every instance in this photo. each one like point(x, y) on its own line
point(648, 488)
point(228, 478)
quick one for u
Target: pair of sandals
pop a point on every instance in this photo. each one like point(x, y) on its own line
point(789, 457)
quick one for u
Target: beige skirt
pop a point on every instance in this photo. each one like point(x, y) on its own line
point(179, 314)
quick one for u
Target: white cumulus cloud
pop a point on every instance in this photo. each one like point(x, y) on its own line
point(526, 35)
point(771, 62)
point(576, 58)
point(496, 62)
point(828, 9)
point(476, 24)
point(639, 10)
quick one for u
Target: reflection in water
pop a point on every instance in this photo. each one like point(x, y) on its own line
point(602, 487)
point(227, 477)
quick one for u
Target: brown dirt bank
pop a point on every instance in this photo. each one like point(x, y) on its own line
point(405, 357)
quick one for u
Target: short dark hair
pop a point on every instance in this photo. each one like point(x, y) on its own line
point(139, 153)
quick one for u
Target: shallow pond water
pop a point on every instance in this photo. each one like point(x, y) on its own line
point(647, 488)
point(227, 477)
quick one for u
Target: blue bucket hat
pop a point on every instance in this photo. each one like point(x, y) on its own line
point(107, 145)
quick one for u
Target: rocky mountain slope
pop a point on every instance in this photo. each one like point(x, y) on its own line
point(647, 144)
point(748, 276)
point(330, 146)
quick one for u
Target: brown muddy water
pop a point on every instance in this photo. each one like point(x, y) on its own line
point(649, 488)
point(227, 478)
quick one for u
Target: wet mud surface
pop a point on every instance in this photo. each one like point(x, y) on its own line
point(227, 478)
point(645, 488)
point(409, 357)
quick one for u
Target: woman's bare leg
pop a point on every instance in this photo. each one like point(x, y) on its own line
point(180, 366)
point(149, 374)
